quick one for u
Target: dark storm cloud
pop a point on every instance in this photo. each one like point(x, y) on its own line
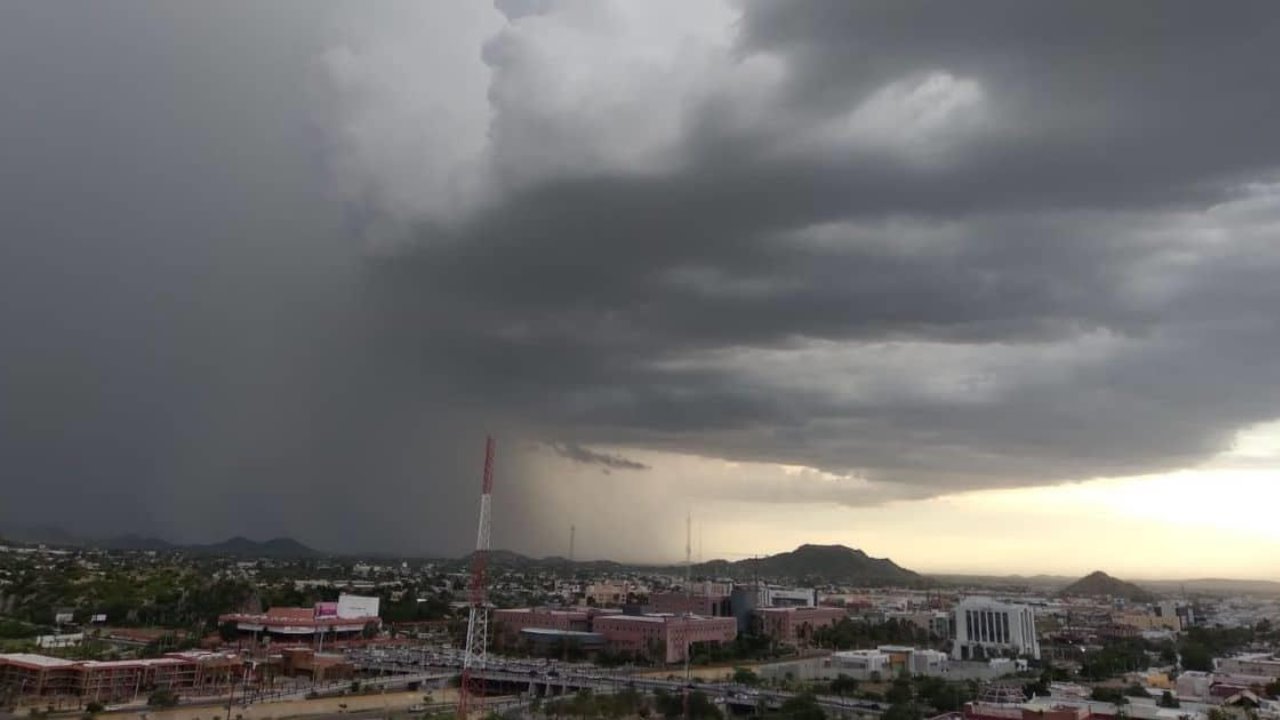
point(944, 247)
point(1115, 140)
point(587, 456)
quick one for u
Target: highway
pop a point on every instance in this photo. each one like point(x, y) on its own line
point(399, 667)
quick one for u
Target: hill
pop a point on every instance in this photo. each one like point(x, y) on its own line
point(830, 563)
point(281, 548)
point(809, 563)
point(1100, 584)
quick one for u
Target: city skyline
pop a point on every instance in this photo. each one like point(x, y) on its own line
point(983, 287)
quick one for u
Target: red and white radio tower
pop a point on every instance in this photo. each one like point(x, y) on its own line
point(471, 694)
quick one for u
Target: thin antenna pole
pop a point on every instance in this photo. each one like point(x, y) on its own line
point(688, 603)
point(573, 531)
point(700, 528)
point(471, 693)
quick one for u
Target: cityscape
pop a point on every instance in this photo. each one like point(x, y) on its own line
point(266, 629)
point(639, 360)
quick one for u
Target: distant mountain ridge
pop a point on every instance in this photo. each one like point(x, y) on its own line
point(239, 546)
point(1100, 584)
point(823, 563)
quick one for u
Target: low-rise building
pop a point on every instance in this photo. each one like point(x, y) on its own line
point(1260, 664)
point(861, 664)
point(666, 638)
point(189, 673)
point(796, 626)
point(914, 661)
point(679, 603)
point(510, 622)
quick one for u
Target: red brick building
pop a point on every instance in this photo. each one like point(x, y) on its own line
point(797, 625)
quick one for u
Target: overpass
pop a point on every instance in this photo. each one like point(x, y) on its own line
point(564, 679)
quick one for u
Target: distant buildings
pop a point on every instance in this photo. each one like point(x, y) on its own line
point(986, 628)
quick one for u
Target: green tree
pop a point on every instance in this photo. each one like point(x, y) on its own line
point(163, 698)
point(1109, 695)
point(94, 707)
point(844, 685)
point(1167, 700)
point(229, 631)
point(1196, 656)
point(903, 711)
point(1136, 690)
point(803, 706)
point(745, 676)
point(900, 691)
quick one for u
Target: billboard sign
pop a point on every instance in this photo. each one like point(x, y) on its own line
point(357, 606)
point(99, 618)
point(326, 610)
point(63, 618)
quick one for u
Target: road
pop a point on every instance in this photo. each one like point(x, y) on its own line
point(400, 665)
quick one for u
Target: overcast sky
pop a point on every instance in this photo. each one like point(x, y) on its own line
point(978, 286)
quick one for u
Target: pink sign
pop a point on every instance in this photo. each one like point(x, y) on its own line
point(326, 610)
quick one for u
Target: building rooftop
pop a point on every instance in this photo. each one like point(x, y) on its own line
point(552, 632)
point(34, 660)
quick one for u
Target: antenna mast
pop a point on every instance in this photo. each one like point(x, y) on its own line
point(471, 694)
point(688, 604)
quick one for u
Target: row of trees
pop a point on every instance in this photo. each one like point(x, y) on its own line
point(849, 634)
point(628, 703)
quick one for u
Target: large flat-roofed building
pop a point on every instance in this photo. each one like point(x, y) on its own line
point(543, 641)
point(985, 628)
point(661, 637)
point(511, 622)
point(665, 638)
point(796, 625)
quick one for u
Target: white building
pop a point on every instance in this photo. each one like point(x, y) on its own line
point(1261, 664)
point(914, 661)
point(773, 596)
point(986, 628)
point(860, 664)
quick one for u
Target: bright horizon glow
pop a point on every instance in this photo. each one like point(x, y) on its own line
point(1210, 521)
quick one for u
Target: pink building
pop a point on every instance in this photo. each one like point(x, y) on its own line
point(678, 603)
point(796, 625)
point(666, 636)
point(511, 621)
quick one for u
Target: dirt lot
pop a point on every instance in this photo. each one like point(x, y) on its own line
point(398, 701)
